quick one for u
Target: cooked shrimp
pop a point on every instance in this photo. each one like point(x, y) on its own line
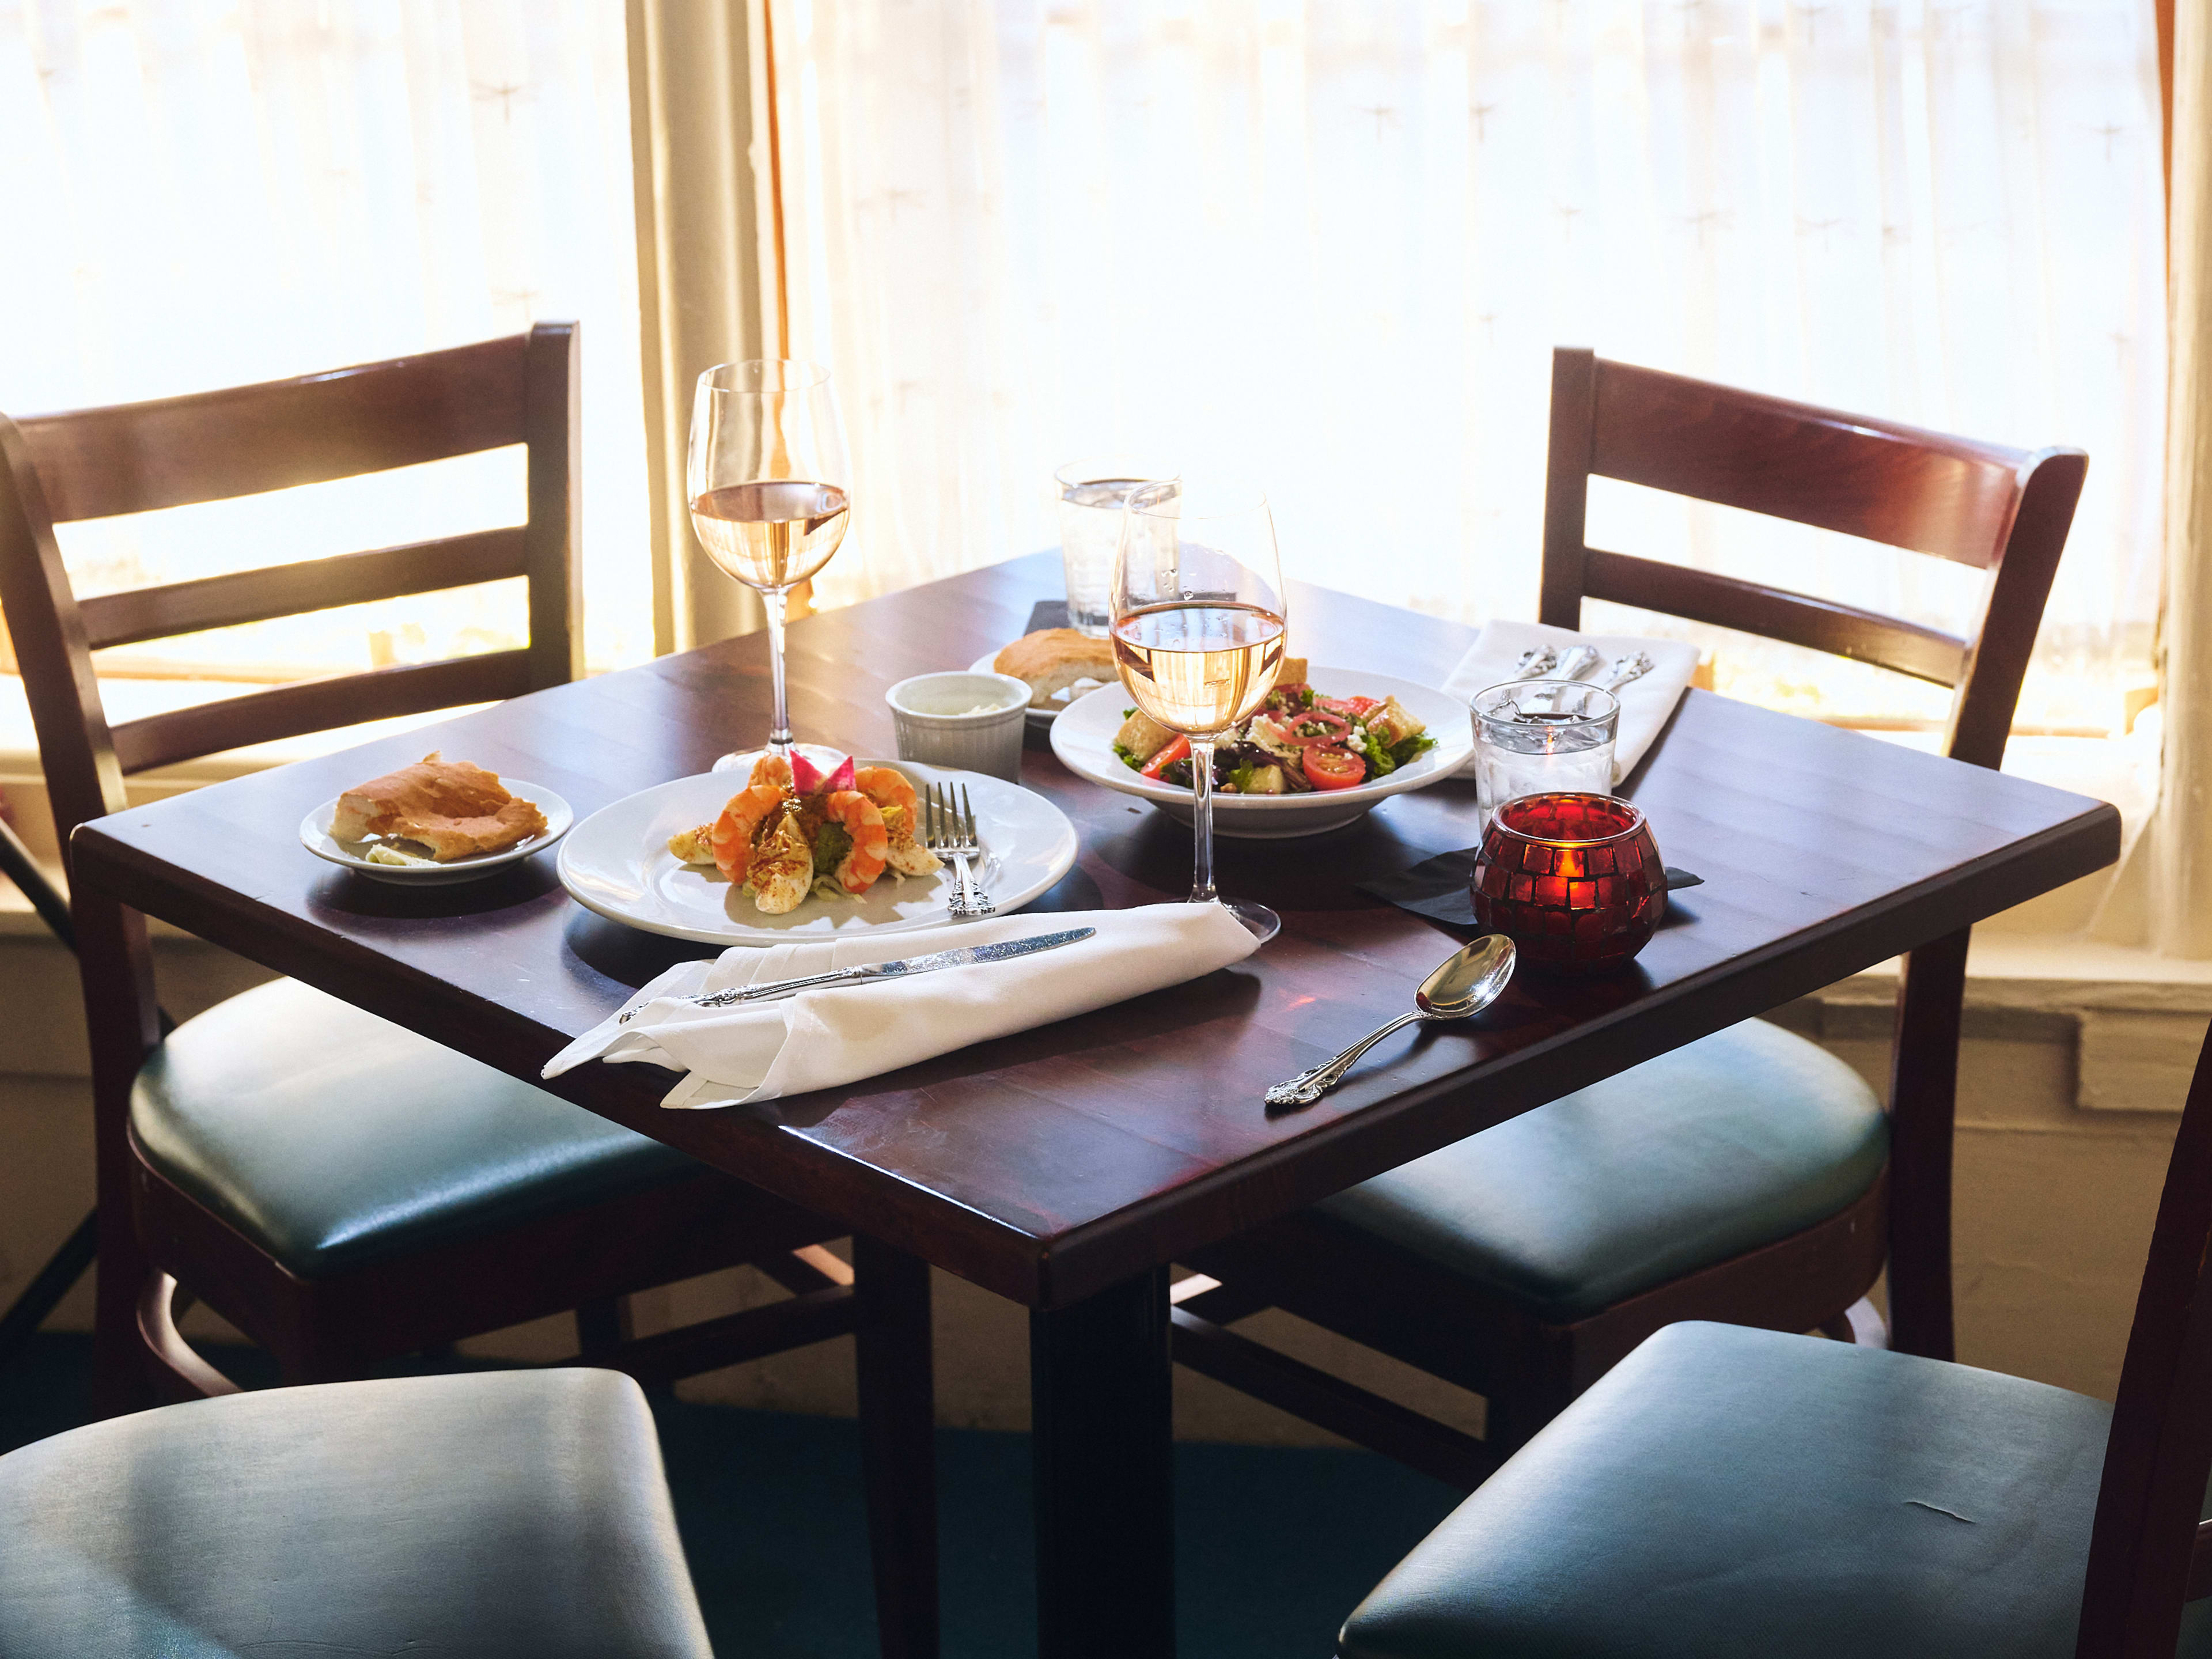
point(694, 846)
point(856, 815)
point(782, 867)
point(734, 832)
point(894, 797)
point(771, 769)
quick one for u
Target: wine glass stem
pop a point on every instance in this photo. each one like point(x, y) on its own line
point(1201, 821)
point(779, 731)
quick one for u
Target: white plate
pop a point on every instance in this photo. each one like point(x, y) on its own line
point(1083, 737)
point(617, 863)
point(1040, 720)
point(315, 836)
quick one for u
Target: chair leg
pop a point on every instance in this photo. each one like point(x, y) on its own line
point(898, 1450)
point(603, 1325)
point(1922, 1103)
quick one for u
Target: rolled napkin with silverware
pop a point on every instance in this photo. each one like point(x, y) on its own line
point(1517, 650)
point(736, 1052)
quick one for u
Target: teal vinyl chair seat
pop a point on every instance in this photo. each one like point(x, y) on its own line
point(1731, 1142)
point(513, 1515)
point(333, 1139)
point(1732, 1493)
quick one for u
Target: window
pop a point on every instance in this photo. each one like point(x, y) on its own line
point(205, 195)
point(1337, 243)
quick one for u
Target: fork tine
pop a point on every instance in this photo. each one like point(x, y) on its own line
point(967, 819)
point(929, 815)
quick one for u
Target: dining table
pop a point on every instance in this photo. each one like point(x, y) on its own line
point(1067, 1167)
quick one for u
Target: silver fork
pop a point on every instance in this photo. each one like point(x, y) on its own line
point(1536, 660)
point(950, 830)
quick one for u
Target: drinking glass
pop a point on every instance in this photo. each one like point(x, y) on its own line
point(1538, 737)
point(768, 478)
point(1198, 614)
point(1092, 496)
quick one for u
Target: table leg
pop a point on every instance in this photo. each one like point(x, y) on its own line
point(1103, 1435)
point(898, 1450)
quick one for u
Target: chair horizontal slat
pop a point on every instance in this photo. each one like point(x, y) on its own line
point(211, 446)
point(288, 711)
point(251, 596)
point(1885, 482)
point(1843, 630)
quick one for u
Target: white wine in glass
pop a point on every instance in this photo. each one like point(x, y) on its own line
point(1197, 633)
point(770, 480)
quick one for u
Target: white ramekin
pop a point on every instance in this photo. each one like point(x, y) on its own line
point(932, 713)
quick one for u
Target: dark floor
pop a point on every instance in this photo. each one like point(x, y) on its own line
point(1273, 1546)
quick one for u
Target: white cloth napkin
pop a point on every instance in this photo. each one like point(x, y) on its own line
point(1644, 703)
point(842, 1033)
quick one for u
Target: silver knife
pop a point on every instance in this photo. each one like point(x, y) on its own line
point(1006, 950)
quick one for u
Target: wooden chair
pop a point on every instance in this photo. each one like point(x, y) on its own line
point(1749, 1176)
point(340, 1189)
point(1729, 1491)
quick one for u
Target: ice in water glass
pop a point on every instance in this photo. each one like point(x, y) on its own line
point(1543, 737)
point(1092, 496)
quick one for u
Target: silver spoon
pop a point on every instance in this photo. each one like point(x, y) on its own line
point(1465, 984)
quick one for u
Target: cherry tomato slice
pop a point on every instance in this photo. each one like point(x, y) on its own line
point(1355, 707)
point(1327, 768)
point(1179, 750)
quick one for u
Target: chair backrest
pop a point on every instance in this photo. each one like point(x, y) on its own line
point(134, 458)
point(2005, 511)
point(2150, 1552)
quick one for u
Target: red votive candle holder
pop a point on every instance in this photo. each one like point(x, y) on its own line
point(1573, 880)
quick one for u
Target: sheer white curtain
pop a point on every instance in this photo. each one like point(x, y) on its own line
point(203, 192)
point(1338, 242)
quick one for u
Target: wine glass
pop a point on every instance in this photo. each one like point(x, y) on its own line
point(768, 478)
point(1198, 632)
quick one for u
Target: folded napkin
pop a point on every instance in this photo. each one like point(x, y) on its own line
point(1645, 704)
point(842, 1033)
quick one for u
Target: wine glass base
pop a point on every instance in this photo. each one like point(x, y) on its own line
point(1258, 920)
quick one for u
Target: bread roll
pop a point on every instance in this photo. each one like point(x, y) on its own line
point(1054, 658)
point(451, 807)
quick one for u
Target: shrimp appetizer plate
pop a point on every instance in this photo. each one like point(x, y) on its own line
point(617, 863)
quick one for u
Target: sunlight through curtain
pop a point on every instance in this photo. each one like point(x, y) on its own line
point(1337, 242)
point(201, 195)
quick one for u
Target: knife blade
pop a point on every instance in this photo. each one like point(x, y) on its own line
point(1005, 950)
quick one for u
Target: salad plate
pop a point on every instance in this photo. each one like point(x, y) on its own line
point(1083, 737)
point(617, 862)
point(419, 872)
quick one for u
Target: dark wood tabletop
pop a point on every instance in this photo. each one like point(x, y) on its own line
point(1051, 1166)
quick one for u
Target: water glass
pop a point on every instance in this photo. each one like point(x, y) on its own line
point(1091, 495)
point(1543, 737)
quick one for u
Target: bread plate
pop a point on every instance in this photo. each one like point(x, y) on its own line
point(1083, 737)
point(1040, 720)
point(315, 836)
point(617, 863)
